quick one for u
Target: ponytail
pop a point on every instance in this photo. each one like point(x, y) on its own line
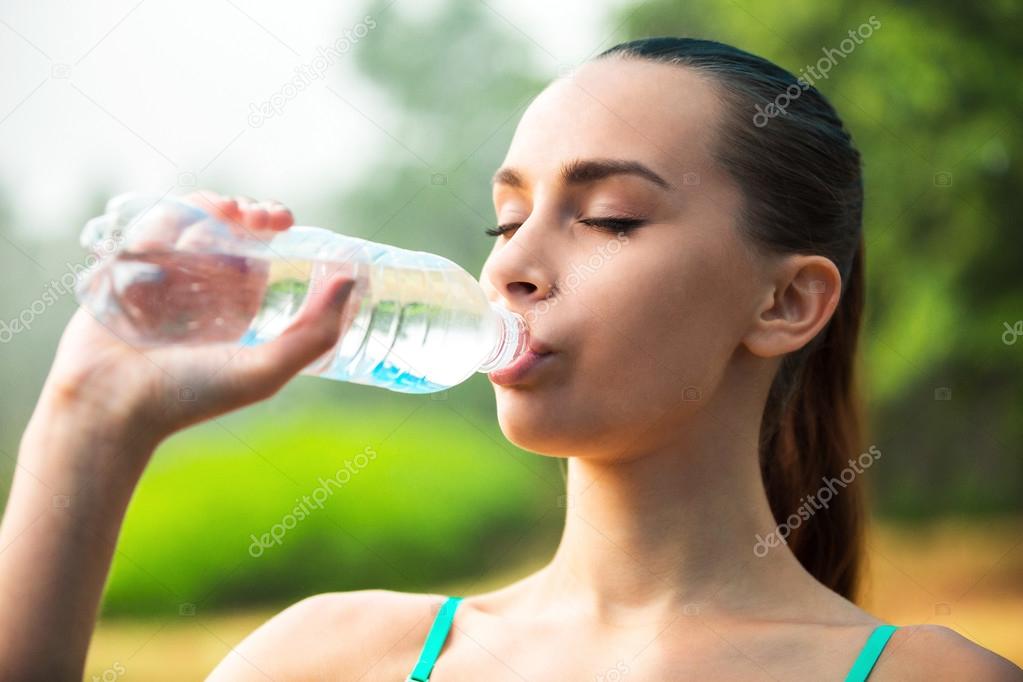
point(810, 431)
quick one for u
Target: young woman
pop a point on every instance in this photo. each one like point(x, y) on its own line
point(693, 273)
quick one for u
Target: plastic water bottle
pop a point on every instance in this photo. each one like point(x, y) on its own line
point(166, 272)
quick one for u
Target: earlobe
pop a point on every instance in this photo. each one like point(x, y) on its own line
point(802, 300)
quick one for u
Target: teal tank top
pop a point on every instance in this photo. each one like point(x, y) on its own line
point(870, 652)
point(434, 641)
point(859, 672)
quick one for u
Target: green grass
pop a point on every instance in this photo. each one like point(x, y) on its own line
point(435, 499)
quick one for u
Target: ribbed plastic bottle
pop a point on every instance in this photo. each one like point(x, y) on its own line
point(167, 272)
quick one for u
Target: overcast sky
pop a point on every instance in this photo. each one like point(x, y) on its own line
point(152, 94)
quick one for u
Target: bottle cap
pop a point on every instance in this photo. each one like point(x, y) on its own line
point(513, 341)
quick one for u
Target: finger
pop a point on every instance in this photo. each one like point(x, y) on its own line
point(159, 226)
point(224, 209)
point(255, 216)
point(227, 209)
point(280, 216)
point(243, 204)
point(315, 331)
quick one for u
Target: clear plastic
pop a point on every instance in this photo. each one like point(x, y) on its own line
point(166, 272)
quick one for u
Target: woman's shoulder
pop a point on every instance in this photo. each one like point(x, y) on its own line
point(935, 652)
point(364, 634)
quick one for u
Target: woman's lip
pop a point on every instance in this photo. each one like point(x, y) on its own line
point(516, 371)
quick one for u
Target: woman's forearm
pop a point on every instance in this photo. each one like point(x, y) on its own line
point(71, 486)
point(105, 406)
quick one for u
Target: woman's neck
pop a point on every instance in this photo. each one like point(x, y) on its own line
point(670, 530)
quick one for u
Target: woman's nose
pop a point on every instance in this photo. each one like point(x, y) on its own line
point(518, 275)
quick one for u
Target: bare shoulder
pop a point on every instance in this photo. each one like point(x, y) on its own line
point(935, 652)
point(361, 635)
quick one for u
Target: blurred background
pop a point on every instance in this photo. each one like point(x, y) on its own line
point(385, 120)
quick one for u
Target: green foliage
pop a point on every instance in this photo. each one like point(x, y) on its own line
point(425, 496)
point(928, 102)
point(458, 84)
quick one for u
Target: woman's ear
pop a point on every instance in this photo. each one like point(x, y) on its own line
point(801, 297)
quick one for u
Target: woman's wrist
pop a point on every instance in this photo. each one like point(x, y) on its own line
point(77, 439)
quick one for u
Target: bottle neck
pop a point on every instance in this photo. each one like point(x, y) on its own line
point(513, 340)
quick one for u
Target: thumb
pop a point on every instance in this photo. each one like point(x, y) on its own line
point(313, 333)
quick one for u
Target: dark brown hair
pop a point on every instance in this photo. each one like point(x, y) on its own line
point(789, 153)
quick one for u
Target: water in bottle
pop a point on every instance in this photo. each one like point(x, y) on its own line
point(169, 272)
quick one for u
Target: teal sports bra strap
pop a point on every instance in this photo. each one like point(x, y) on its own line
point(434, 641)
point(870, 653)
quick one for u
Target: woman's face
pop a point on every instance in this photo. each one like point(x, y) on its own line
point(647, 309)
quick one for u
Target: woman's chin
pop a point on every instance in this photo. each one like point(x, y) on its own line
point(535, 424)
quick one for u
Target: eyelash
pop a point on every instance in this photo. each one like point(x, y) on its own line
point(608, 224)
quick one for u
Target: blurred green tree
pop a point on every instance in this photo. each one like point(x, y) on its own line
point(925, 98)
point(927, 101)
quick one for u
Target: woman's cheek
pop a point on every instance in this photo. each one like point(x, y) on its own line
point(621, 323)
point(653, 320)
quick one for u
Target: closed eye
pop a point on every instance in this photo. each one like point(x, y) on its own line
point(613, 224)
point(610, 224)
point(501, 229)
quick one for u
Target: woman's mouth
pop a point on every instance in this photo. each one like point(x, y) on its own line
point(524, 365)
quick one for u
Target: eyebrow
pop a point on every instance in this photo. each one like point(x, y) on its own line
point(582, 171)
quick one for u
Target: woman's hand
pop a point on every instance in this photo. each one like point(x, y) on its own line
point(120, 391)
point(103, 409)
